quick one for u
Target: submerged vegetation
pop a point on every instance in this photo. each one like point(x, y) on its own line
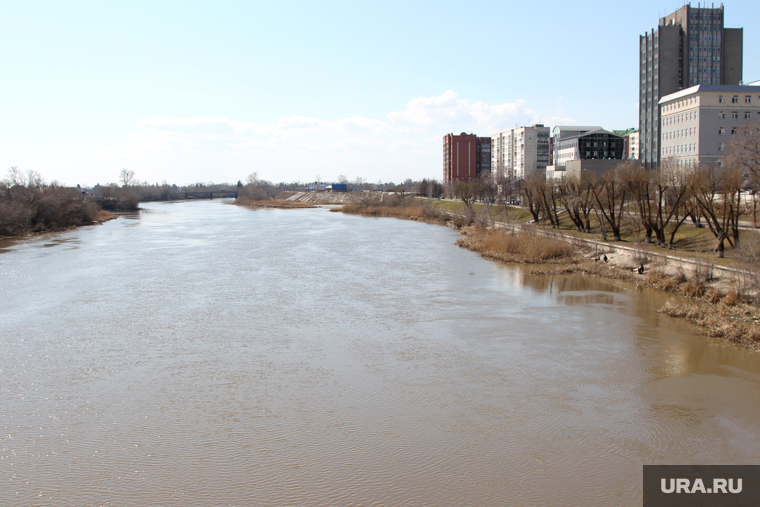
point(728, 320)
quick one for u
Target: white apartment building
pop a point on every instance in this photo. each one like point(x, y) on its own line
point(521, 152)
point(698, 122)
point(633, 146)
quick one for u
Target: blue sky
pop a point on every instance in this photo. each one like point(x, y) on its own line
point(212, 91)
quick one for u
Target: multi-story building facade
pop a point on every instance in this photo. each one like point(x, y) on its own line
point(521, 152)
point(465, 157)
point(631, 148)
point(595, 150)
point(698, 122)
point(689, 47)
point(561, 132)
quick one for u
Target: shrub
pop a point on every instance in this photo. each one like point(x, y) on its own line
point(15, 218)
point(693, 289)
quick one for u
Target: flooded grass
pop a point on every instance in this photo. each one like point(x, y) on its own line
point(736, 323)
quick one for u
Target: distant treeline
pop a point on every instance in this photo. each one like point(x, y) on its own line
point(256, 189)
point(29, 204)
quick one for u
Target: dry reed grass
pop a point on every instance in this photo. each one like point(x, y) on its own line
point(693, 289)
point(737, 323)
point(520, 245)
point(658, 279)
point(732, 298)
point(410, 209)
point(104, 216)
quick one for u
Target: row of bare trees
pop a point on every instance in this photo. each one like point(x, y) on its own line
point(646, 204)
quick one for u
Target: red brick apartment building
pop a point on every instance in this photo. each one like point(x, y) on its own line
point(465, 156)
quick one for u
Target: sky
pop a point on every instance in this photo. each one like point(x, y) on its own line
point(191, 91)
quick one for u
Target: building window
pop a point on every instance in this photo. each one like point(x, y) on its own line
point(734, 114)
point(747, 115)
point(721, 146)
point(722, 114)
point(733, 130)
point(721, 131)
point(735, 99)
point(748, 99)
point(721, 99)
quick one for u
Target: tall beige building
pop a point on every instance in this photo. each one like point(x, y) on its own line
point(698, 122)
point(521, 152)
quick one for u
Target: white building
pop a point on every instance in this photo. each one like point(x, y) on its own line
point(580, 149)
point(633, 145)
point(520, 152)
point(560, 132)
point(698, 122)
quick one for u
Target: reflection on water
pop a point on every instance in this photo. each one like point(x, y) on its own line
point(203, 354)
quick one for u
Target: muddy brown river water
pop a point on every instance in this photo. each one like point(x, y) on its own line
point(199, 354)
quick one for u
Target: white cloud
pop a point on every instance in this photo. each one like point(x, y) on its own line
point(404, 144)
point(459, 114)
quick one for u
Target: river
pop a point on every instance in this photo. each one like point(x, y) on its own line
point(199, 353)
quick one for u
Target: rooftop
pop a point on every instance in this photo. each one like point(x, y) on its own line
point(753, 88)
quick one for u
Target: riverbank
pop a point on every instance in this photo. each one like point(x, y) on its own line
point(719, 303)
point(99, 218)
point(274, 203)
point(716, 306)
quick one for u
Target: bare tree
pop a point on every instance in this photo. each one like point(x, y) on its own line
point(744, 153)
point(642, 188)
point(576, 197)
point(466, 191)
point(530, 192)
point(717, 192)
point(548, 195)
point(126, 177)
point(15, 178)
point(678, 200)
point(611, 194)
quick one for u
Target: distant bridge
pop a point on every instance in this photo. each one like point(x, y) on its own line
point(209, 194)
